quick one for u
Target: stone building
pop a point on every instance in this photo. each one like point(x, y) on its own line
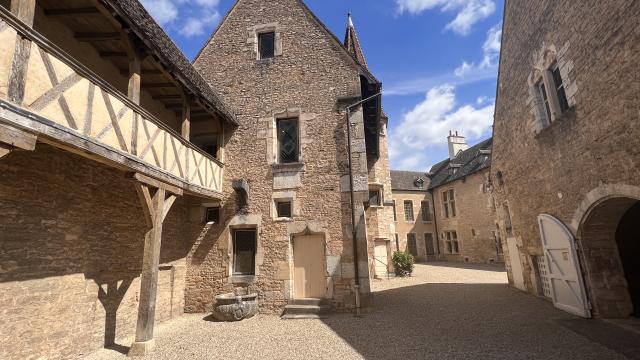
point(110, 143)
point(565, 169)
point(285, 228)
point(413, 215)
point(463, 203)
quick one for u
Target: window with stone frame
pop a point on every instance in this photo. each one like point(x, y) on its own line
point(412, 246)
point(552, 95)
point(244, 251)
point(451, 241)
point(429, 244)
point(395, 213)
point(375, 197)
point(408, 211)
point(266, 45)
point(425, 210)
point(449, 203)
point(288, 140)
point(284, 208)
point(212, 215)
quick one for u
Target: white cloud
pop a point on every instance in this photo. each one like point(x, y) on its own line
point(195, 26)
point(468, 12)
point(490, 54)
point(187, 17)
point(426, 126)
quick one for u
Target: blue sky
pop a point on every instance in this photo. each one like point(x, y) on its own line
point(437, 60)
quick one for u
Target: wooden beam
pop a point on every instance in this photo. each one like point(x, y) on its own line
point(25, 12)
point(165, 97)
point(72, 11)
point(5, 150)
point(186, 116)
point(97, 36)
point(74, 142)
point(158, 85)
point(155, 183)
point(17, 138)
point(107, 54)
point(156, 210)
point(144, 72)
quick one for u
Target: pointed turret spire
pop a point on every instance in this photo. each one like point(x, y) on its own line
point(352, 44)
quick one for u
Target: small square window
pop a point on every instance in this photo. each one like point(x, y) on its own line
point(283, 209)
point(266, 45)
point(375, 197)
point(212, 215)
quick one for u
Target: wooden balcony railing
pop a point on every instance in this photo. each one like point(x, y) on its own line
point(61, 93)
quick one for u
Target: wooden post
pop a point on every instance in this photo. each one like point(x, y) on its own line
point(25, 11)
point(136, 56)
point(156, 206)
point(186, 116)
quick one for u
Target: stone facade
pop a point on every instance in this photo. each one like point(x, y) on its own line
point(71, 245)
point(580, 167)
point(306, 79)
point(406, 187)
point(474, 222)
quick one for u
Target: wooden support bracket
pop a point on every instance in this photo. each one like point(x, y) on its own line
point(13, 138)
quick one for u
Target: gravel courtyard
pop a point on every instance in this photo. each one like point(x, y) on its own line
point(445, 311)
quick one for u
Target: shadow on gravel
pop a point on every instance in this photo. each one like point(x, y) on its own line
point(463, 321)
point(459, 265)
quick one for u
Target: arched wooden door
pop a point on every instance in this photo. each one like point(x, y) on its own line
point(565, 277)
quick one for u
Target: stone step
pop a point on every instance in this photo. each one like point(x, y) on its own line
point(308, 301)
point(296, 311)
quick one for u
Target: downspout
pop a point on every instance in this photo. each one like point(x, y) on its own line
point(354, 232)
point(435, 224)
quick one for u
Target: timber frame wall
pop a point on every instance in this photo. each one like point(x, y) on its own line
point(48, 96)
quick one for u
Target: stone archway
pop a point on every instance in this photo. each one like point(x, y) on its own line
point(608, 234)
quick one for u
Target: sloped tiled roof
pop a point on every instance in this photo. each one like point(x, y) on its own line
point(406, 180)
point(472, 160)
point(142, 24)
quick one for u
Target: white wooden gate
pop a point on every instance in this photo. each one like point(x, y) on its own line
point(563, 269)
point(516, 265)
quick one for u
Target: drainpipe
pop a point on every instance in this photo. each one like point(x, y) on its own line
point(435, 224)
point(354, 232)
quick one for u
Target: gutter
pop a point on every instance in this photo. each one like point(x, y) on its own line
point(354, 232)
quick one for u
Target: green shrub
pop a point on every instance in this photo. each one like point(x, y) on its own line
point(403, 263)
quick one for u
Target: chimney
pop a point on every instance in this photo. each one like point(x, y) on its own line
point(456, 144)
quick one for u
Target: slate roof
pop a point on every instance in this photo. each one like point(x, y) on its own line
point(406, 180)
point(143, 25)
point(470, 161)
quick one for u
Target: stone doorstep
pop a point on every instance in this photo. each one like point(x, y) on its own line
point(309, 308)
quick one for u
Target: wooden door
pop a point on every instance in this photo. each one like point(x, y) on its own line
point(381, 259)
point(308, 267)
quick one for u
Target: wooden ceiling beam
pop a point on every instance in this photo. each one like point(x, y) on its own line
point(97, 36)
point(107, 54)
point(72, 11)
point(158, 85)
point(166, 97)
point(125, 72)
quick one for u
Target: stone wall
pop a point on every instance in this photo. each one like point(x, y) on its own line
point(594, 145)
point(305, 79)
point(474, 220)
point(71, 244)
